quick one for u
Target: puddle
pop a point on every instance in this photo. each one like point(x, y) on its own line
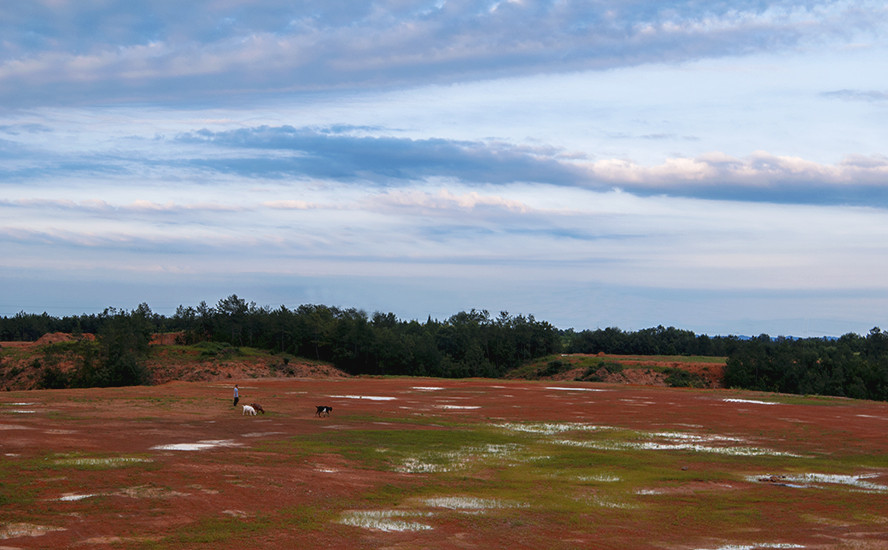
point(369, 397)
point(111, 462)
point(262, 434)
point(427, 388)
point(671, 441)
point(458, 406)
point(608, 503)
point(199, 446)
point(601, 478)
point(13, 427)
point(144, 491)
point(72, 498)
point(20, 411)
point(678, 445)
point(683, 436)
point(550, 428)
point(754, 546)
point(822, 481)
point(572, 389)
point(384, 520)
point(455, 460)
point(753, 401)
point(471, 503)
point(15, 530)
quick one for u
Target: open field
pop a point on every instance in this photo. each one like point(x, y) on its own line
point(430, 463)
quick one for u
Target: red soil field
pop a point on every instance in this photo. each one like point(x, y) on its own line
point(206, 462)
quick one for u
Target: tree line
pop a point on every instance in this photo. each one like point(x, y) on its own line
point(467, 344)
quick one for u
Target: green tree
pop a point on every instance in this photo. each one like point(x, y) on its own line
point(123, 346)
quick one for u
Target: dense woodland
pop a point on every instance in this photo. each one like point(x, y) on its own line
point(467, 344)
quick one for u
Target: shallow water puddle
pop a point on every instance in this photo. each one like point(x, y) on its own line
point(550, 428)
point(572, 389)
point(681, 446)
point(199, 446)
point(458, 406)
point(613, 504)
point(822, 481)
point(384, 520)
point(755, 546)
point(15, 530)
point(455, 460)
point(72, 498)
point(601, 478)
point(110, 462)
point(669, 441)
point(753, 401)
point(471, 503)
point(262, 434)
point(426, 388)
point(368, 397)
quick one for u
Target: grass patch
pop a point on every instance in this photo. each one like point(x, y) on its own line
point(15, 489)
point(680, 378)
point(217, 531)
point(230, 532)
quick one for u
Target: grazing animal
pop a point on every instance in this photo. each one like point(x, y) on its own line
point(323, 410)
point(258, 407)
point(249, 410)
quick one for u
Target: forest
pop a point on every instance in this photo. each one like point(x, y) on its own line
point(467, 344)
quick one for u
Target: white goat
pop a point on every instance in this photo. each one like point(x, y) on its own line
point(249, 410)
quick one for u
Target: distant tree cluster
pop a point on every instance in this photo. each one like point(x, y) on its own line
point(850, 366)
point(650, 341)
point(465, 345)
point(115, 358)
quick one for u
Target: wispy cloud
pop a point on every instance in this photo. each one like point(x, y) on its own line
point(858, 95)
point(209, 51)
point(760, 176)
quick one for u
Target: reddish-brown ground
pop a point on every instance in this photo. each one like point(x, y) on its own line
point(181, 491)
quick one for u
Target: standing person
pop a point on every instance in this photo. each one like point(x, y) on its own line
point(236, 398)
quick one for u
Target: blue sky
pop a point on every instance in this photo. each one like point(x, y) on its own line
point(720, 167)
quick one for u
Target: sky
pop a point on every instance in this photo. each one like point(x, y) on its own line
point(719, 167)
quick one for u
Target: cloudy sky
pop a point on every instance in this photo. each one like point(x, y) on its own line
point(716, 166)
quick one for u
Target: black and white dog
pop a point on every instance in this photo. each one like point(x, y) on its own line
point(323, 410)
